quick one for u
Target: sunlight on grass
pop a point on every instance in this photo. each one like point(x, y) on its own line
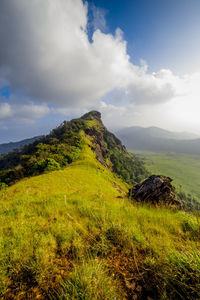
point(61, 234)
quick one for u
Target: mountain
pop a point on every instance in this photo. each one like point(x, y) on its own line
point(8, 147)
point(63, 146)
point(71, 232)
point(158, 140)
point(156, 132)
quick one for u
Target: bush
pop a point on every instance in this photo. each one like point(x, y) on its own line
point(3, 186)
point(46, 165)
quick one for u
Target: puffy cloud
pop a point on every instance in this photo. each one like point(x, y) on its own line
point(47, 56)
point(31, 111)
point(22, 112)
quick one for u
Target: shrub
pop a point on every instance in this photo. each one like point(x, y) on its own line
point(46, 165)
point(3, 186)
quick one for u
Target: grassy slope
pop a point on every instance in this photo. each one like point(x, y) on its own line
point(68, 235)
point(183, 168)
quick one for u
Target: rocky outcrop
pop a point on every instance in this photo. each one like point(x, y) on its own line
point(110, 151)
point(101, 138)
point(99, 146)
point(157, 189)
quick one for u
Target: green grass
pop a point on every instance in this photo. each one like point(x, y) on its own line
point(184, 169)
point(72, 234)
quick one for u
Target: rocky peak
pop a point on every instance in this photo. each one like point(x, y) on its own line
point(92, 115)
point(69, 137)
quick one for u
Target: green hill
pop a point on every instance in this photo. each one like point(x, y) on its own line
point(72, 233)
point(63, 146)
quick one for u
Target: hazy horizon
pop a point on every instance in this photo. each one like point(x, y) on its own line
point(137, 62)
point(115, 130)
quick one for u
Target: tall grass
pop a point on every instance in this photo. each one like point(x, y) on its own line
point(72, 234)
point(89, 281)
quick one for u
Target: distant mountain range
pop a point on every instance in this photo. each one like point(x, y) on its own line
point(8, 147)
point(139, 138)
point(159, 140)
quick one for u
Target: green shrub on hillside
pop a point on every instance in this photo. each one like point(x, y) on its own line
point(125, 164)
point(3, 186)
point(60, 148)
point(46, 165)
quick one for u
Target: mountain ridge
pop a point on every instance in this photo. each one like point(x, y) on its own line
point(72, 232)
point(158, 132)
point(153, 132)
point(63, 146)
point(8, 147)
point(157, 140)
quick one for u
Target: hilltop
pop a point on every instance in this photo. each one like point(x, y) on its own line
point(69, 231)
point(63, 146)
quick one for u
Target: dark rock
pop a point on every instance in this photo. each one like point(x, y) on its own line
point(100, 148)
point(157, 189)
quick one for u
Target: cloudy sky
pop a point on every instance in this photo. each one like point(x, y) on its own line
point(138, 62)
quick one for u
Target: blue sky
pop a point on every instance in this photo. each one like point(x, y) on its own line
point(166, 33)
point(138, 62)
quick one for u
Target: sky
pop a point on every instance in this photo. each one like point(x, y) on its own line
point(136, 61)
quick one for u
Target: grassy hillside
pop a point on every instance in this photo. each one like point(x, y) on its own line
point(63, 146)
point(183, 168)
point(72, 234)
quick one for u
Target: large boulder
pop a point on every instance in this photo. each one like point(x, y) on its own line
point(157, 189)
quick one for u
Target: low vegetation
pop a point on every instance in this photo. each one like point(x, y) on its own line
point(72, 234)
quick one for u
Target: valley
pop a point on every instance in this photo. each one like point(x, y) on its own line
point(184, 169)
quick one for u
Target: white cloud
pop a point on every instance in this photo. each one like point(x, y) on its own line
point(31, 111)
point(22, 112)
point(46, 56)
point(99, 21)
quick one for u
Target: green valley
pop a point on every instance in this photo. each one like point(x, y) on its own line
point(182, 168)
